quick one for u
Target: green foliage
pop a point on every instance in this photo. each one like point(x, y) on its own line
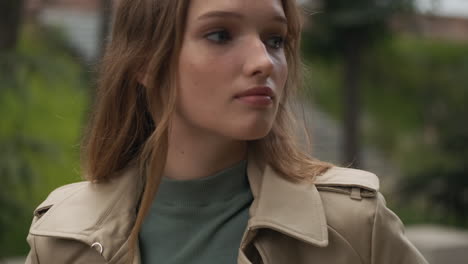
point(419, 89)
point(42, 102)
point(415, 102)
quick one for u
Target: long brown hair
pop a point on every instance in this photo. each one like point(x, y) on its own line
point(131, 122)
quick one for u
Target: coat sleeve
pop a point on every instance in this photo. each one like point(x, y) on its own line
point(32, 255)
point(389, 244)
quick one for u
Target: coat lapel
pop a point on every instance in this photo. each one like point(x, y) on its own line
point(92, 213)
point(294, 209)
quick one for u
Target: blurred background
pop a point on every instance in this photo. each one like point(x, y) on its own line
point(386, 90)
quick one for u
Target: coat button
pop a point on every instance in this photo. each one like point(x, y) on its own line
point(98, 247)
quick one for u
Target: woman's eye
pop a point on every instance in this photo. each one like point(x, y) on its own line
point(276, 42)
point(220, 36)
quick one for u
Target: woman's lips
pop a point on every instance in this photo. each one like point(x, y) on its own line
point(257, 96)
point(256, 100)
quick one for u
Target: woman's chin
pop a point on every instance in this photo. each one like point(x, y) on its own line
point(253, 134)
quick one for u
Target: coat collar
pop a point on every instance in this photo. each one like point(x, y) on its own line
point(92, 213)
point(294, 209)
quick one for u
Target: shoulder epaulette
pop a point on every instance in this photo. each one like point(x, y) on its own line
point(356, 183)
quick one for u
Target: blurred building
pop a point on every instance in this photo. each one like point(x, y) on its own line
point(441, 19)
point(78, 20)
point(74, 4)
point(433, 26)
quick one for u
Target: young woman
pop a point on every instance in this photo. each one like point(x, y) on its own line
point(190, 156)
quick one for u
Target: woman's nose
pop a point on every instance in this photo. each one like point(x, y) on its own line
point(258, 60)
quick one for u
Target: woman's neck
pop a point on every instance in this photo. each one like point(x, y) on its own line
point(195, 154)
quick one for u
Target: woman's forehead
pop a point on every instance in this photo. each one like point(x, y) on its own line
point(200, 9)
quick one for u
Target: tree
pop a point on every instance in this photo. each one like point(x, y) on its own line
point(33, 69)
point(41, 121)
point(345, 30)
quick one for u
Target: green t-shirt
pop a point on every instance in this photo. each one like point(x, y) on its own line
point(198, 221)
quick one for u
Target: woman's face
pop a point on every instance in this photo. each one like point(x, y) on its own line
point(232, 68)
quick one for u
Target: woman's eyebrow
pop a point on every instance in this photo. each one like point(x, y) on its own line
point(225, 14)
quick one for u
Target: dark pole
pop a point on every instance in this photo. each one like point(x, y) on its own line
point(10, 20)
point(352, 103)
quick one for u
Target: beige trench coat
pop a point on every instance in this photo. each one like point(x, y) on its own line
point(340, 219)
